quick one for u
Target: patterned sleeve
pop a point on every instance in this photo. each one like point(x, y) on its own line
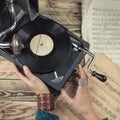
point(41, 115)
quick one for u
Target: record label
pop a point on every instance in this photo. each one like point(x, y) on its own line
point(41, 45)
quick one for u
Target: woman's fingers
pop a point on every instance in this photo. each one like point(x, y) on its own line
point(82, 73)
point(82, 82)
point(20, 75)
point(28, 73)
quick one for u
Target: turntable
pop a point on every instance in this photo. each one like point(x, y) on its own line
point(50, 50)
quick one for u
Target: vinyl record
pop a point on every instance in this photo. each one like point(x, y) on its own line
point(54, 49)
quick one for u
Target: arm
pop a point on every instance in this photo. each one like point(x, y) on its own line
point(81, 104)
point(42, 92)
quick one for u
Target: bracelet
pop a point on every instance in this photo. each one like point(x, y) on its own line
point(45, 102)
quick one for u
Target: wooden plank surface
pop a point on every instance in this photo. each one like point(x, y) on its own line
point(17, 102)
point(65, 12)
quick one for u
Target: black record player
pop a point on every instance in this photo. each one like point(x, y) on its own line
point(50, 50)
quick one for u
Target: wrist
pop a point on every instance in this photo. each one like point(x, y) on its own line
point(45, 102)
point(92, 115)
point(42, 91)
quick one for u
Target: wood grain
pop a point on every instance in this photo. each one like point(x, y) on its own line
point(65, 12)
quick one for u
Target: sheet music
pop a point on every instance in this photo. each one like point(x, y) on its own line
point(101, 26)
point(106, 96)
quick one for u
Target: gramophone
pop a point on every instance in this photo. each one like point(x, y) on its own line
point(50, 50)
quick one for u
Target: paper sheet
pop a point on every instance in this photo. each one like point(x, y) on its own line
point(101, 26)
point(106, 96)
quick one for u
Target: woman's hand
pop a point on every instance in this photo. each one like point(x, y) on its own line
point(81, 104)
point(32, 82)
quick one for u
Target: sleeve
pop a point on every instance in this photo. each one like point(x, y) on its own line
point(105, 119)
point(42, 115)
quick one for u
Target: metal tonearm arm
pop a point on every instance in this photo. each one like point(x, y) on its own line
point(101, 77)
point(15, 44)
point(13, 17)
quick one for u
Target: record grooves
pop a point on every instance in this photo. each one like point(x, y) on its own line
point(58, 55)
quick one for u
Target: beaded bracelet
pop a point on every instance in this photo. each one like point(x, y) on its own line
point(45, 102)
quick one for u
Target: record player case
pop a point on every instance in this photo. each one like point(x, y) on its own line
point(55, 78)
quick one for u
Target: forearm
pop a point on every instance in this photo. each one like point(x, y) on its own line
point(91, 115)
